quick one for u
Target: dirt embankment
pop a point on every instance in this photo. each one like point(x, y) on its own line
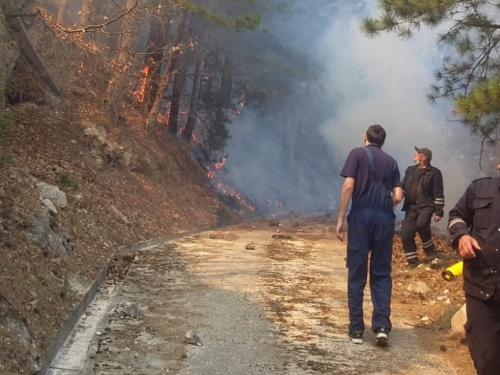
point(120, 186)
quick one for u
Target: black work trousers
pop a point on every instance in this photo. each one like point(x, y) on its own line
point(417, 221)
point(483, 334)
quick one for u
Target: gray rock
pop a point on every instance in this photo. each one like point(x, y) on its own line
point(419, 287)
point(38, 234)
point(45, 234)
point(53, 193)
point(48, 203)
point(129, 310)
point(192, 338)
point(132, 310)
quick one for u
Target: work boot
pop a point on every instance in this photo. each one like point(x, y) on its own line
point(433, 255)
point(356, 337)
point(414, 263)
point(382, 336)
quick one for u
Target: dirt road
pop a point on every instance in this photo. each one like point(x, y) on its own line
point(260, 305)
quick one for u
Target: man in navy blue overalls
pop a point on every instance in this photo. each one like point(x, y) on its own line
point(372, 179)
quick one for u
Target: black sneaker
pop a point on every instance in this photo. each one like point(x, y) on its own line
point(356, 337)
point(382, 336)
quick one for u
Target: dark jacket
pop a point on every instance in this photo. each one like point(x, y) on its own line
point(477, 214)
point(430, 189)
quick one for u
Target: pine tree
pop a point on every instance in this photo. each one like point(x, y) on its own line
point(470, 76)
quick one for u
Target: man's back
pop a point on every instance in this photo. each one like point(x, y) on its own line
point(357, 166)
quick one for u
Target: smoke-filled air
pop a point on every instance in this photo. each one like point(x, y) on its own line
point(272, 95)
point(343, 81)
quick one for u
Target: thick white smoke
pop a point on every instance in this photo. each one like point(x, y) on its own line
point(382, 80)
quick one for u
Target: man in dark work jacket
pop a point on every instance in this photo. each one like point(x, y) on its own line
point(424, 199)
point(474, 225)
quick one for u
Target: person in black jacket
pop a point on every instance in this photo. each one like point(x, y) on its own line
point(474, 226)
point(424, 198)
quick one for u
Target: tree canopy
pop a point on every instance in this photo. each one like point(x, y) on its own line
point(471, 74)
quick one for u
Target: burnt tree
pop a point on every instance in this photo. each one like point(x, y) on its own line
point(85, 12)
point(173, 114)
point(167, 75)
point(157, 43)
point(61, 14)
point(193, 104)
point(127, 44)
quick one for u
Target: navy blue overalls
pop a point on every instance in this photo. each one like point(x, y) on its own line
point(371, 228)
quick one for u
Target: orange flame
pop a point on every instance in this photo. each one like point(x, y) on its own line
point(226, 190)
point(220, 164)
point(140, 93)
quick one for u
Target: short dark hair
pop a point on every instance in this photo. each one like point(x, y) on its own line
point(376, 134)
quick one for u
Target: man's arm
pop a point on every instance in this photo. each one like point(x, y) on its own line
point(438, 192)
point(397, 196)
point(405, 180)
point(461, 218)
point(345, 197)
point(398, 187)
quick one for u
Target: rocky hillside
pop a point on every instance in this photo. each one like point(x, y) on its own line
point(73, 189)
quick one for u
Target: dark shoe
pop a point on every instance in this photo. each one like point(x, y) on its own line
point(356, 337)
point(429, 257)
point(435, 255)
point(382, 336)
point(414, 264)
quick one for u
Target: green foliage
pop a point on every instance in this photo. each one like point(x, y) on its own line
point(247, 21)
point(480, 109)
point(66, 180)
point(471, 75)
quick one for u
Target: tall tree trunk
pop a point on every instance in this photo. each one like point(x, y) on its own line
point(176, 95)
point(61, 14)
point(157, 43)
point(84, 12)
point(127, 45)
point(226, 84)
point(193, 104)
point(167, 76)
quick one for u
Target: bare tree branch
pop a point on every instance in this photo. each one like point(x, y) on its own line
point(94, 28)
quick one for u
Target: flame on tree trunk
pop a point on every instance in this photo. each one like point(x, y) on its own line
point(127, 45)
point(157, 42)
point(193, 105)
point(176, 95)
point(167, 76)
